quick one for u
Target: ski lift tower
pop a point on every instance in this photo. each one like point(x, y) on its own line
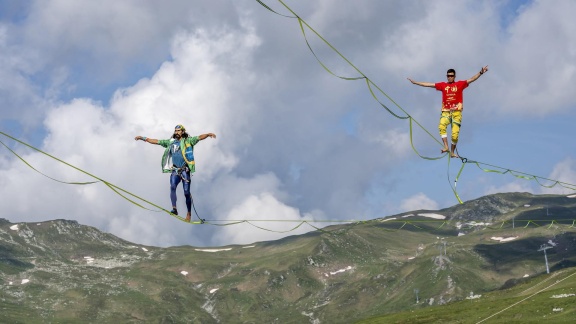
point(545, 247)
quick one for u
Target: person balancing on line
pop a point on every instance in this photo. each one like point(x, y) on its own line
point(178, 160)
point(452, 105)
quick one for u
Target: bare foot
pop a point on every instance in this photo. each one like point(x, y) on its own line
point(444, 150)
point(188, 217)
point(454, 155)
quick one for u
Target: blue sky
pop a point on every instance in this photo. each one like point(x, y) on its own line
point(81, 79)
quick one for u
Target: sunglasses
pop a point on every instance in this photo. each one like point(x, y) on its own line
point(450, 75)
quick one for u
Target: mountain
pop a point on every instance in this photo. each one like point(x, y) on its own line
point(60, 271)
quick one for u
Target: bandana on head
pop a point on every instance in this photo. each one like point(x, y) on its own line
point(180, 127)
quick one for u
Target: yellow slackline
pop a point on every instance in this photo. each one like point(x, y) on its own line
point(227, 222)
point(124, 194)
point(121, 192)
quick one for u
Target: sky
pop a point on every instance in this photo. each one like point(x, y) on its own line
point(81, 79)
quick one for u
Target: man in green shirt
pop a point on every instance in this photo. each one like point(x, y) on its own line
point(178, 160)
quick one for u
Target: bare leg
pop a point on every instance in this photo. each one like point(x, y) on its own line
point(445, 141)
point(452, 152)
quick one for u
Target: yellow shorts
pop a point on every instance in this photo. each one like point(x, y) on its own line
point(453, 118)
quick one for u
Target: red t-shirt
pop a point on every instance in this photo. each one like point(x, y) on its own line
point(452, 98)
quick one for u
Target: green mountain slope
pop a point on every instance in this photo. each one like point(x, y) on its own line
point(550, 298)
point(61, 271)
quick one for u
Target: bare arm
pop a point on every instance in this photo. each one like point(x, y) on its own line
point(204, 136)
point(477, 75)
point(146, 139)
point(423, 84)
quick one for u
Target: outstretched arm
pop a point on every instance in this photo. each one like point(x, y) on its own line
point(204, 136)
point(477, 75)
point(146, 139)
point(422, 84)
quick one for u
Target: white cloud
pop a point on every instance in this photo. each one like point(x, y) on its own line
point(540, 57)
point(418, 201)
point(565, 172)
point(256, 209)
point(16, 88)
point(109, 33)
point(516, 186)
point(428, 43)
point(395, 141)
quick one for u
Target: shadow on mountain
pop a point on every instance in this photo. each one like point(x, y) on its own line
point(501, 256)
point(9, 264)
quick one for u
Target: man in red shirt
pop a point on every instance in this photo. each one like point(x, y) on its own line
point(452, 105)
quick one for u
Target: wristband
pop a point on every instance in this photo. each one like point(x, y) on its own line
point(481, 72)
point(144, 138)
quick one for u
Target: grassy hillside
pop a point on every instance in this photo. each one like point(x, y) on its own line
point(61, 271)
point(547, 298)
